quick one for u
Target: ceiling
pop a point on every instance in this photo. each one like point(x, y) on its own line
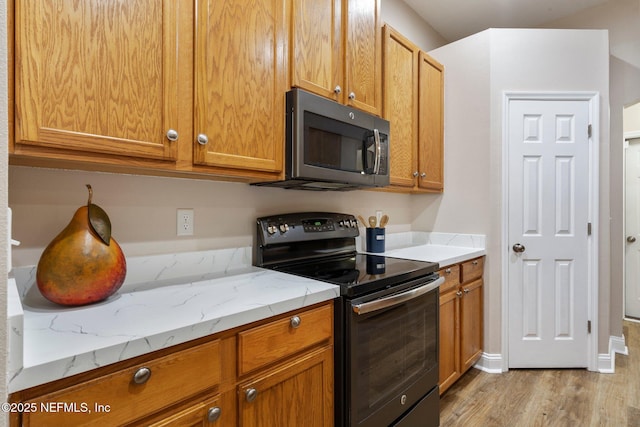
point(455, 19)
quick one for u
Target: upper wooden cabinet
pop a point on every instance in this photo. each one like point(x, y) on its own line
point(97, 77)
point(431, 124)
point(413, 104)
point(240, 85)
point(132, 85)
point(181, 88)
point(335, 51)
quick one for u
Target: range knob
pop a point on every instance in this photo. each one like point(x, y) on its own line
point(271, 229)
point(354, 223)
point(342, 223)
point(284, 228)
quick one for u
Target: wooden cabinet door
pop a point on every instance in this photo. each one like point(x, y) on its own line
point(471, 325)
point(363, 56)
point(299, 393)
point(431, 137)
point(95, 76)
point(240, 85)
point(400, 105)
point(449, 339)
point(316, 47)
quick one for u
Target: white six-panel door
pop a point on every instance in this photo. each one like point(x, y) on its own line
point(632, 226)
point(548, 216)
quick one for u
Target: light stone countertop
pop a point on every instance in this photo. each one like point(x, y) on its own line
point(155, 308)
point(171, 299)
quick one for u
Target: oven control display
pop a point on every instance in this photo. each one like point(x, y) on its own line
point(318, 225)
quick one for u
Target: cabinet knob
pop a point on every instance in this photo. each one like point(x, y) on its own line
point(251, 394)
point(474, 262)
point(459, 293)
point(337, 90)
point(352, 95)
point(203, 139)
point(466, 290)
point(172, 135)
point(415, 174)
point(142, 375)
point(295, 322)
point(447, 271)
point(213, 414)
point(423, 175)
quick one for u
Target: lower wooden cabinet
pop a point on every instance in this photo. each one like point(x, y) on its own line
point(276, 372)
point(461, 320)
point(298, 393)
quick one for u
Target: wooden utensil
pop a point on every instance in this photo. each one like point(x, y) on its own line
point(384, 220)
point(363, 221)
point(372, 221)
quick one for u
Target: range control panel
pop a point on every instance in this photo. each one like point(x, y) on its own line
point(305, 226)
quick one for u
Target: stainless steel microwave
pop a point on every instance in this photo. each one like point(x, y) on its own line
point(330, 146)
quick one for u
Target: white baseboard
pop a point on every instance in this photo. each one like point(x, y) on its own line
point(607, 361)
point(490, 363)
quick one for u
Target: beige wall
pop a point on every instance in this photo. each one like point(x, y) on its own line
point(631, 118)
point(142, 209)
point(402, 18)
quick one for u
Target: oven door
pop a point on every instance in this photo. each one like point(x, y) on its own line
point(392, 352)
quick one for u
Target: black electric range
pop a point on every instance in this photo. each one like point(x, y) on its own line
point(385, 320)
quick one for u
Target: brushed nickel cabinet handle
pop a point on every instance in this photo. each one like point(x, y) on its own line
point(203, 139)
point(213, 414)
point(295, 322)
point(142, 375)
point(172, 135)
point(251, 394)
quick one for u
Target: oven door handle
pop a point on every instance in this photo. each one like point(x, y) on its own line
point(396, 299)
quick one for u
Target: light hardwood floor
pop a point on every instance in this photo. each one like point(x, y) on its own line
point(555, 397)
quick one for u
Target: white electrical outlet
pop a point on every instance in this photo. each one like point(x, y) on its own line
point(185, 222)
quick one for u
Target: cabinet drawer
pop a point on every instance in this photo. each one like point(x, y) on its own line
point(451, 276)
point(116, 398)
point(268, 343)
point(472, 269)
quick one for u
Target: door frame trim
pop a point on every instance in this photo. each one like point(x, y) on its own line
point(593, 214)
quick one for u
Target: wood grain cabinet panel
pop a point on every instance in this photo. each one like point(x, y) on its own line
point(335, 51)
point(413, 92)
point(461, 320)
point(240, 85)
point(269, 343)
point(97, 77)
point(400, 106)
point(431, 125)
point(298, 393)
point(127, 395)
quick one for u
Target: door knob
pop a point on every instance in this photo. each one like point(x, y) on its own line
point(518, 248)
point(631, 239)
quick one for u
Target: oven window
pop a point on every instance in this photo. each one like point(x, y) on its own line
point(392, 350)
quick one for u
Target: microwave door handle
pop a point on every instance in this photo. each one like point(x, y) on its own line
point(397, 299)
point(376, 164)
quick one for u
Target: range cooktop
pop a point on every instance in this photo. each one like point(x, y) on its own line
point(321, 246)
point(359, 273)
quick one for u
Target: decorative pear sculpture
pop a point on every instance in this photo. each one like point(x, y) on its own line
point(83, 264)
